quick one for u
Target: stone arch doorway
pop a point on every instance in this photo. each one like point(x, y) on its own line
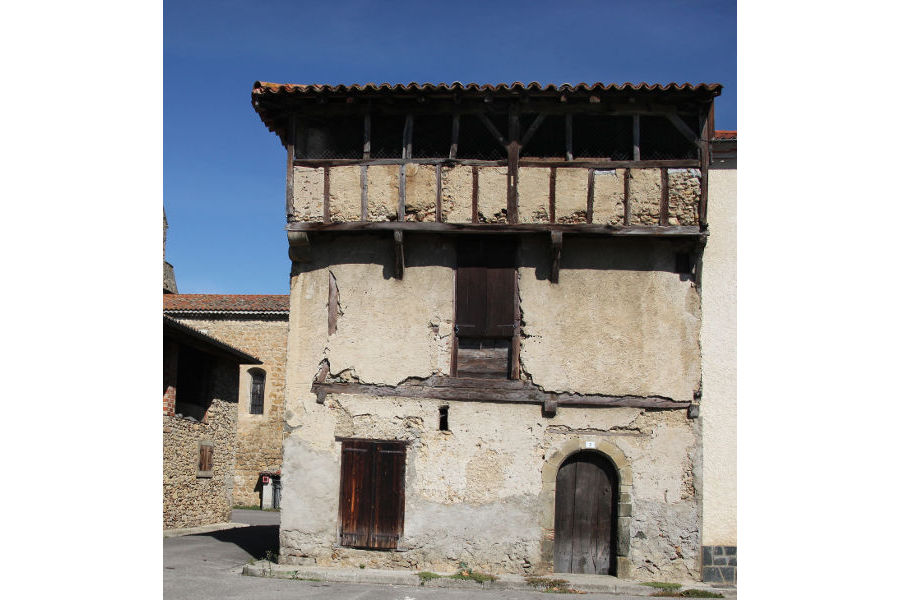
point(586, 514)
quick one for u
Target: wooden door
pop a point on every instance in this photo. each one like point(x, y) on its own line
point(372, 493)
point(586, 493)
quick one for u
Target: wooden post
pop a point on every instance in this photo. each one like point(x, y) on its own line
point(553, 194)
point(333, 300)
point(589, 214)
point(706, 134)
point(326, 200)
point(401, 201)
point(627, 197)
point(454, 136)
point(569, 155)
point(664, 197)
point(367, 136)
point(406, 154)
point(438, 201)
point(474, 194)
point(512, 167)
point(407, 137)
point(289, 176)
point(636, 136)
point(399, 259)
point(364, 192)
point(556, 241)
point(516, 342)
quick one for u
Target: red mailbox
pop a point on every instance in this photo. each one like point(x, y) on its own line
point(265, 479)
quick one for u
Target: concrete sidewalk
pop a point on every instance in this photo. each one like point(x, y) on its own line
point(201, 529)
point(603, 584)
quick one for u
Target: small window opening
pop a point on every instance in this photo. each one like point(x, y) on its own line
point(257, 391)
point(548, 140)
point(443, 418)
point(431, 136)
point(336, 137)
point(387, 136)
point(683, 263)
point(477, 142)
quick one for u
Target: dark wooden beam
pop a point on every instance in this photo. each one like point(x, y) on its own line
point(627, 197)
point(326, 199)
point(407, 137)
point(589, 214)
point(636, 136)
point(399, 258)
point(556, 242)
point(318, 163)
point(474, 194)
point(569, 155)
point(532, 129)
point(289, 176)
point(333, 301)
point(367, 136)
point(553, 194)
point(438, 200)
point(481, 390)
point(401, 200)
point(673, 231)
point(683, 129)
point(515, 348)
point(493, 129)
point(364, 193)
point(512, 169)
point(708, 126)
point(454, 136)
point(664, 197)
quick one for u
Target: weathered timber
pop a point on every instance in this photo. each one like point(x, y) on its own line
point(493, 129)
point(289, 182)
point(367, 136)
point(672, 231)
point(708, 122)
point(626, 200)
point(512, 169)
point(553, 194)
point(609, 164)
point(326, 199)
point(333, 300)
point(401, 200)
point(568, 119)
point(460, 389)
point(590, 196)
point(532, 129)
point(407, 137)
point(454, 135)
point(664, 197)
point(474, 195)
point(515, 348)
point(438, 201)
point(556, 241)
point(364, 193)
point(399, 258)
point(636, 136)
point(683, 129)
point(531, 161)
point(350, 162)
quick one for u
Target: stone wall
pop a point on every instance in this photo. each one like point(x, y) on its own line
point(258, 436)
point(571, 192)
point(619, 322)
point(189, 500)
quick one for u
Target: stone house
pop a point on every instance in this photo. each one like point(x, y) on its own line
point(495, 317)
point(258, 324)
point(200, 379)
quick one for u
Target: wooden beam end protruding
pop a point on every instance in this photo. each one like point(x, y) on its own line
point(299, 247)
point(399, 259)
point(551, 404)
point(556, 241)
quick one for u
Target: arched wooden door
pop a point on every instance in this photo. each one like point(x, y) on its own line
point(586, 493)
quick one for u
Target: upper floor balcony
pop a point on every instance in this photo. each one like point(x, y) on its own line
point(588, 159)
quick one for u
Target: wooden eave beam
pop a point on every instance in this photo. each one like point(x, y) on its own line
point(672, 231)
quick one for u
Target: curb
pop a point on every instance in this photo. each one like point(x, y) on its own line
point(167, 533)
point(406, 578)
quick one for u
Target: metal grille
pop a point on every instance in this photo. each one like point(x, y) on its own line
point(329, 138)
point(257, 391)
point(660, 140)
point(595, 136)
point(476, 142)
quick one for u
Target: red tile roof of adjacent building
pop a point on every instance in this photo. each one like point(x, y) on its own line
point(725, 135)
point(226, 302)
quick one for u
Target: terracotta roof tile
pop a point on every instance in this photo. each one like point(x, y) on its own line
point(725, 135)
point(226, 302)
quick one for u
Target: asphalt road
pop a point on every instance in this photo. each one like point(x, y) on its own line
point(208, 567)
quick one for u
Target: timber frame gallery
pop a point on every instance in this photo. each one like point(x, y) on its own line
point(493, 352)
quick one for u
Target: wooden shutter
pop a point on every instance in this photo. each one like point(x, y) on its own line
point(206, 455)
point(389, 496)
point(356, 492)
point(485, 288)
point(372, 493)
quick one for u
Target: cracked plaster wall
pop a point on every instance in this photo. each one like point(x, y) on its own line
point(475, 493)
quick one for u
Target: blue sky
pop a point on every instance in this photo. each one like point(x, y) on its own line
point(224, 172)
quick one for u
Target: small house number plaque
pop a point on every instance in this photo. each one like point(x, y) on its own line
point(590, 444)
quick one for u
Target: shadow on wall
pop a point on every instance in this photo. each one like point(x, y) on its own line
point(422, 250)
point(255, 540)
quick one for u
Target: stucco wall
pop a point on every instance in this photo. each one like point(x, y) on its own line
point(719, 339)
point(571, 192)
point(189, 501)
point(619, 322)
point(259, 437)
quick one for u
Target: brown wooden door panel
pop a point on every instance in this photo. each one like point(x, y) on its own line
point(356, 496)
point(388, 496)
point(586, 492)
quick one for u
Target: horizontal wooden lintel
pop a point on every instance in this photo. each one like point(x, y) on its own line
point(482, 390)
point(668, 231)
point(578, 163)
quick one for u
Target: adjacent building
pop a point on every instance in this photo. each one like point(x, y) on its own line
point(257, 324)
point(494, 352)
point(200, 394)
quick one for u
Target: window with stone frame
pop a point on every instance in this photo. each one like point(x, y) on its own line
point(257, 391)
